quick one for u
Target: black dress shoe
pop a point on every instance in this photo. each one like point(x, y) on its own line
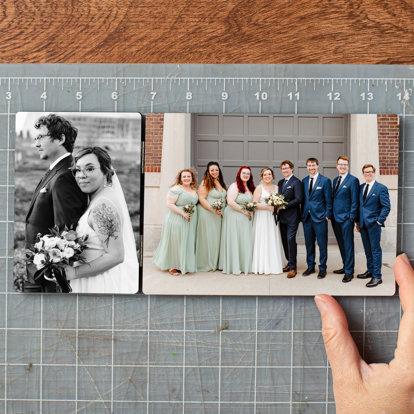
point(308, 271)
point(365, 275)
point(286, 268)
point(339, 271)
point(321, 274)
point(374, 282)
point(348, 277)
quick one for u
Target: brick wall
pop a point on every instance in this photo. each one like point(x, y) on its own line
point(154, 127)
point(388, 140)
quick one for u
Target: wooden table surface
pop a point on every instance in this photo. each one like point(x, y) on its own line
point(199, 31)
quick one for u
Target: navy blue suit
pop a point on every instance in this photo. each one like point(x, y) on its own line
point(316, 207)
point(289, 218)
point(372, 215)
point(345, 212)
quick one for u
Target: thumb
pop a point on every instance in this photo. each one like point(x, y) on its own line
point(340, 348)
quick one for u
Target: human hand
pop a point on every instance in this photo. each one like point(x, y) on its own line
point(218, 212)
point(70, 272)
point(187, 216)
point(362, 388)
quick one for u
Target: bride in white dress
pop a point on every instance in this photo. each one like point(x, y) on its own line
point(111, 258)
point(267, 244)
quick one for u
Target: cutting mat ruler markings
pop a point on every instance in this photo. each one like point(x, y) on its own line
point(161, 346)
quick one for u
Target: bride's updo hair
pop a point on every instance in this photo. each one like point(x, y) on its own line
point(103, 158)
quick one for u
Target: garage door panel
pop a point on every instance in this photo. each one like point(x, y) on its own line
point(308, 150)
point(207, 125)
point(233, 125)
point(333, 127)
point(258, 151)
point(330, 150)
point(283, 125)
point(283, 150)
point(258, 125)
point(207, 150)
point(308, 126)
point(233, 150)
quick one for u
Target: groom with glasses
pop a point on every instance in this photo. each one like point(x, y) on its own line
point(57, 199)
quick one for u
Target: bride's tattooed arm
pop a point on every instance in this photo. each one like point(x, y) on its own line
point(107, 223)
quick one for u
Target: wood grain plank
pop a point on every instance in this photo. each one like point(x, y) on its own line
point(215, 31)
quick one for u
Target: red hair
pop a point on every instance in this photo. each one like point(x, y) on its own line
point(250, 183)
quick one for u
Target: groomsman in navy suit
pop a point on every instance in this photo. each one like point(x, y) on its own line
point(316, 212)
point(289, 216)
point(345, 199)
point(374, 207)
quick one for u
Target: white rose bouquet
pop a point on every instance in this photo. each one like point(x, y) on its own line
point(276, 200)
point(52, 252)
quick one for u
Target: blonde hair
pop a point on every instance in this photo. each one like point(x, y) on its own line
point(265, 169)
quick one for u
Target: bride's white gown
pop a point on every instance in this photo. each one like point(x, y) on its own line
point(267, 244)
point(123, 278)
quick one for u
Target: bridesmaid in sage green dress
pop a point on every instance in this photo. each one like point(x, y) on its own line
point(176, 251)
point(211, 189)
point(237, 231)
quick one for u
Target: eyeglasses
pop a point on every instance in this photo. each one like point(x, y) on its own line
point(342, 165)
point(87, 171)
point(41, 137)
point(368, 172)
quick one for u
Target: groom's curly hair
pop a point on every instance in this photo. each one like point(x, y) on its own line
point(57, 127)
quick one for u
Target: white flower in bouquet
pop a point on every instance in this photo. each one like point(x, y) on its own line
point(39, 245)
point(68, 252)
point(39, 260)
point(55, 255)
point(49, 242)
point(61, 244)
point(251, 207)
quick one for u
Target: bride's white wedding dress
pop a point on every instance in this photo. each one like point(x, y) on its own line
point(123, 278)
point(267, 244)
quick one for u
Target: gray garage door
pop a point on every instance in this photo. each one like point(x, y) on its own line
point(266, 140)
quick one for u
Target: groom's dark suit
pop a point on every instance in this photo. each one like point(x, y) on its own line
point(289, 217)
point(57, 200)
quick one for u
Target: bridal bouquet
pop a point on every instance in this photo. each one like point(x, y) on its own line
point(218, 205)
point(276, 200)
point(52, 252)
point(251, 207)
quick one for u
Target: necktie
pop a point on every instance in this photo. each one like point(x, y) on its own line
point(311, 185)
point(366, 191)
point(338, 183)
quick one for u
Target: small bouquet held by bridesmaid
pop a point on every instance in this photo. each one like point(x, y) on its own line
point(276, 200)
point(218, 205)
point(52, 252)
point(189, 208)
point(250, 206)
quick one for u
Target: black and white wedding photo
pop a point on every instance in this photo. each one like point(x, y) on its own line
point(77, 202)
point(270, 204)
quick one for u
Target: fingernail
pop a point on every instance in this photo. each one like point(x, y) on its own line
point(405, 258)
point(320, 304)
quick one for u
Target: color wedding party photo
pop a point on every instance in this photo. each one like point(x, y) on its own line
point(77, 202)
point(270, 204)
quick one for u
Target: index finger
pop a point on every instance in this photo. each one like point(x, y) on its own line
point(404, 275)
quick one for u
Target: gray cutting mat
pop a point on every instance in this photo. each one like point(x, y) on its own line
point(115, 354)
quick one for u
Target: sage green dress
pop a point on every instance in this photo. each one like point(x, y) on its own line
point(209, 233)
point(177, 245)
point(236, 239)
